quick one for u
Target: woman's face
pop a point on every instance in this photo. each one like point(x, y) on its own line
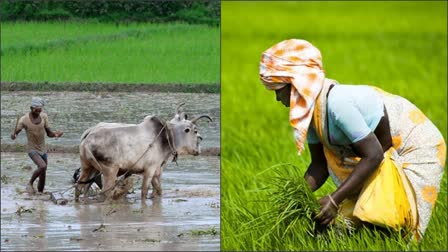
point(284, 94)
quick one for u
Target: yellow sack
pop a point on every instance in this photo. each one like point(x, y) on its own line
point(387, 198)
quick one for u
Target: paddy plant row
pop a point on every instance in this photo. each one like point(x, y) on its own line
point(108, 52)
point(397, 46)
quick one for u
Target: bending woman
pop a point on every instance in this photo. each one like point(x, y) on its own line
point(350, 129)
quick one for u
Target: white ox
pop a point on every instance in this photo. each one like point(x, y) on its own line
point(114, 149)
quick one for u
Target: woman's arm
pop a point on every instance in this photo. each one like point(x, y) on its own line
point(317, 172)
point(370, 151)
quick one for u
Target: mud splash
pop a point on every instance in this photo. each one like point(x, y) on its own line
point(185, 218)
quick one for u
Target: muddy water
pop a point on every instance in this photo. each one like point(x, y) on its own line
point(74, 112)
point(189, 204)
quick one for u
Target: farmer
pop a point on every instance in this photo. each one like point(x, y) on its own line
point(36, 125)
point(349, 128)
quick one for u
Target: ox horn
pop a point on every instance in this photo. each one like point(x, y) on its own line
point(199, 117)
point(178, 107)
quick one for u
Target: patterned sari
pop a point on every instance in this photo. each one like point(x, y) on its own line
point(418, 148)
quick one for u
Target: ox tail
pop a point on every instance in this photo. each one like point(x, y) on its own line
point(92, 158)
point(95, 175)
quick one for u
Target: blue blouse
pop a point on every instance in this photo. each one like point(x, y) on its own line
point(353, 111)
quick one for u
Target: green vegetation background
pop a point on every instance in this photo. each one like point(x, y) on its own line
point(202, 12)
point(90, 51)
point(110, 41)
point(397, 46)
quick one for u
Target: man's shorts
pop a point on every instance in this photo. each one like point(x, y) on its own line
point(43, 156)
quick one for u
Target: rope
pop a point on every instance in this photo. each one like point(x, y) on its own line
point(173, 152)
point(173, 149)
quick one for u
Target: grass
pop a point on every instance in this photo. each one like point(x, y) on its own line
point(103, 52)
point(397, 46)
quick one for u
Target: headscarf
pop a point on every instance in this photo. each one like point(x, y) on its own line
point(37, 102)
point(299, 63)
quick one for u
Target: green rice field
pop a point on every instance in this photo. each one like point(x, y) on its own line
point(397, 46)
point(89, 51)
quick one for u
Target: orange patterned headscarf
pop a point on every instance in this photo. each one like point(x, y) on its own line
point(299, 63)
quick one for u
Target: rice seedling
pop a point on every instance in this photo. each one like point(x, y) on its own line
point(103, 52)
point(295, 207)
point(295, 203)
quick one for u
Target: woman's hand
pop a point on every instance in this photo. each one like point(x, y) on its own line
point(328, 210)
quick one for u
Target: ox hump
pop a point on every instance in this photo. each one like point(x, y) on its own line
point(153, 121)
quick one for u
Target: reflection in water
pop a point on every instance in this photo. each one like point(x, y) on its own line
point(105, 226)
point(38, 231)
point(43, 227)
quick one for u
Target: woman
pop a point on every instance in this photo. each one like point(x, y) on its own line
point(350, 128)
point(36, 125)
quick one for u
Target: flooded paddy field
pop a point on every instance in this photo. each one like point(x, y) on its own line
point(74, 112)
point(186, 217)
